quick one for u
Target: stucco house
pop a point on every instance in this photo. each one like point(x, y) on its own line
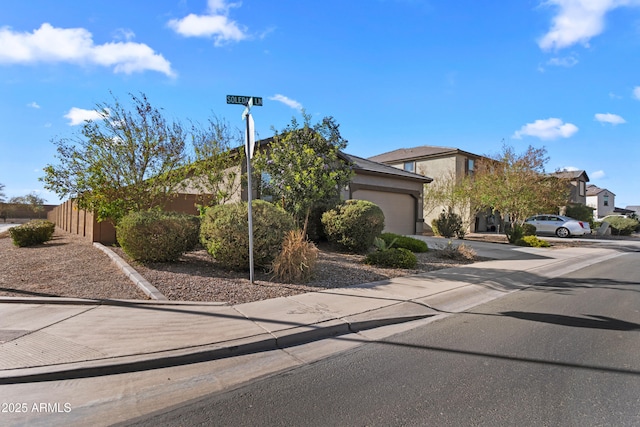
point(398, 193)
point(635, 209)
point(578, 184)
point(601, 200)
point(438, 163)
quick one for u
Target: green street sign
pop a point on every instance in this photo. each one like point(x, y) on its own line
point(244, 100)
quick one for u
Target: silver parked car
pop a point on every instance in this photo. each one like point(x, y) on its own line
point(561, 226)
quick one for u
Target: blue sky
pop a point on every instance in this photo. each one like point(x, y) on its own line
point(469, 74)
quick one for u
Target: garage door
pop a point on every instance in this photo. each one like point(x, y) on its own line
point(398, 209)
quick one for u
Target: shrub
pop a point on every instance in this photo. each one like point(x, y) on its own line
point(353, 225)
point(225, 233)
point(414, 245)
point(315, 230)
point(392, 258)
point(514, 232)
point(528, 229)
point(532, 241)
point(457, 252)
point(32, 233)
point(580, 212)
point(156, 235)
point(622, 226)
point(297, 260)
point(448, 224)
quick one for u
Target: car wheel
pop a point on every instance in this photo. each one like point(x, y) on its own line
point(562, 232)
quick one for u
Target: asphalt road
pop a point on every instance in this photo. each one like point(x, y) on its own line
point(562, 353)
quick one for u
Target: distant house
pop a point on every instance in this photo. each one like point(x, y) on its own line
point(578, 183)
point(601, 200)
point(438, 163)
point(635, 209)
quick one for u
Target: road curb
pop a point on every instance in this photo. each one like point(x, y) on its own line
point(132, 274)
point(207, 352)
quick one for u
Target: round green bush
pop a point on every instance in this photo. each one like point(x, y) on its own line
point(353, 225)
point(157, 236)
point(225, 233)
point(392, 258)
point(31, 233)
point(406, 242)
point(528, 229)
point(448, 224)
point(621, 226)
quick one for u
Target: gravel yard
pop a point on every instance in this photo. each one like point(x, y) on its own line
point(70, 266)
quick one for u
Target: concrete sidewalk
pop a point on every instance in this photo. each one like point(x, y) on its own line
point(44, 339)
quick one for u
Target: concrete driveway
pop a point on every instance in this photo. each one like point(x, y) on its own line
point(5, 227)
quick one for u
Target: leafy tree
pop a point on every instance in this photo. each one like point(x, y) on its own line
point(129, 160)
point(211, 171)
point(517, 185)
point(2, 195)
point(303, 165)
point(34, 202)
point(450, 194)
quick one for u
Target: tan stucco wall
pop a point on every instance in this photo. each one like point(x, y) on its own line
point(195, 185)
point(386, 189)
point(441, 168)
point(597, 202)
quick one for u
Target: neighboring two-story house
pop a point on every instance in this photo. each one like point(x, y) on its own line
point(578, 184)
point(438, 163)
point(601, 200)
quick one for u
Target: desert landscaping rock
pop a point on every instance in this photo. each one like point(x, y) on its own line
point(70, 266)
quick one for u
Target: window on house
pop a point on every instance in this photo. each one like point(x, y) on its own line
point(470, 166)
point(265, 193)
point(582, 188)
point(605, 200)
point(410, 166)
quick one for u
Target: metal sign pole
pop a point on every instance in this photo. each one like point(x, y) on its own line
point(248, 102)
point(249, 152)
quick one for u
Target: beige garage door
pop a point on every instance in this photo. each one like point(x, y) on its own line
point(398, 209)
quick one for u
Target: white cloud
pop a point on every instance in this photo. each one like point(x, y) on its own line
point(76, 46)
point(614, 119)
point(286, 101)
point(636, 92)
point(597, 174)
point(78, 116)
point(214, 23)
point(567, 61)
point(569, 169)
point(33, 105)
point(550, 128)
point(577, 21)
point(124, 34)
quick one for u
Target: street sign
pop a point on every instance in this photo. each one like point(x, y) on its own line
point(244, 100)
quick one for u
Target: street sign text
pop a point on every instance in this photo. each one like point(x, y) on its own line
point(244, 100)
